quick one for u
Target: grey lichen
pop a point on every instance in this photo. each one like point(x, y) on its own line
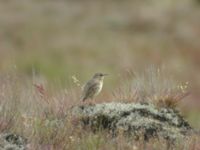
point(10, 141)
point(133, 119)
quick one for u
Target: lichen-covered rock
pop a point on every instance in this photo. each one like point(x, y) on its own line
point(9, 141)
point(134, 119)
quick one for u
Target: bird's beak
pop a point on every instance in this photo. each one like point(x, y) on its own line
point(105, 74)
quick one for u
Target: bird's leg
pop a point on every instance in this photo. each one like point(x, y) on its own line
point(82, 102)
point(87, 102)
point(91, 101)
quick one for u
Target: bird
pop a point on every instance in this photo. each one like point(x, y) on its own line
point(93, 87)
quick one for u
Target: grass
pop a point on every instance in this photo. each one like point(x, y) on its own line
point(40, 114)
point(47, 43)
point(153, 85)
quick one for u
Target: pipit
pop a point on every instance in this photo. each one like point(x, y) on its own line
point(93, 87)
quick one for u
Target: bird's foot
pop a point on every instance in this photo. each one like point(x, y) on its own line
point(91, 103)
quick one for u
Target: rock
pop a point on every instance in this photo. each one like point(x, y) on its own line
point(9, 141)
point(134, 120)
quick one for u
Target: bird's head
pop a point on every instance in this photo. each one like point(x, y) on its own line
point(99, 76)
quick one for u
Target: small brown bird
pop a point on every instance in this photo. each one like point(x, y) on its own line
point(93, 87)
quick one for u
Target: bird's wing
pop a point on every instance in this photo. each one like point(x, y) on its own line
point(88, 88)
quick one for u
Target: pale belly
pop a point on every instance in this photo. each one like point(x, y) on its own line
point(99, 89)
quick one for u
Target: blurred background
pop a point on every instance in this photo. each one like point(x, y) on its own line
point(64, 38)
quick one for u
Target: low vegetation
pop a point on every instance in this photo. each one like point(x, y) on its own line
point(49, 48)
point(41, 115)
